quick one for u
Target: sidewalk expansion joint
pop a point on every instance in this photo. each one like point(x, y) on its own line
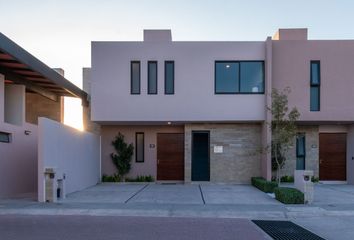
point(139, 191)
point(201, 193)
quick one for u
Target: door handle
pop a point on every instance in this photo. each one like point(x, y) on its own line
point(158, 161)
point(320, 161)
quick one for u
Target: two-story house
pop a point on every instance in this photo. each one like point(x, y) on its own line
point(198, 111)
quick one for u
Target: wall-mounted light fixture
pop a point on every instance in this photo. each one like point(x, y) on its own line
point(27, 132)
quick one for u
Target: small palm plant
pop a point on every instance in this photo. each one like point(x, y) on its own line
point(123, 156)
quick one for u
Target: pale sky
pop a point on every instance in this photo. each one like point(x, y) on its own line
point(59, 32)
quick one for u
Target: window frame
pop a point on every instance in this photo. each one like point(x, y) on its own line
point(316, 85)
point(173, 74)
point(136, 147)
point(8, 137)
point(239, 77)
point(148, 70)
point(131, 77)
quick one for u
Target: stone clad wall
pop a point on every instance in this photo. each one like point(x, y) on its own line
point(241, 157)
point(312, 152)
point(39, 106)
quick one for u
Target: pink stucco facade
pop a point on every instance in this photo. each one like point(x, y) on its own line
point(291, 68)
point(286, 57)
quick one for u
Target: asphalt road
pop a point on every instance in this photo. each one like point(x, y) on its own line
point(13, 227)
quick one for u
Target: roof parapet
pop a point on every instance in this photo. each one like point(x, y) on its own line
point(291, 34)
point(157, 35)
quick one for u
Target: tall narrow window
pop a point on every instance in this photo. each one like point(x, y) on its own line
point(300, 151)
point(139, 147)
point(152, 77)
point(169, 77)
point(315, 84)
point(135, 77)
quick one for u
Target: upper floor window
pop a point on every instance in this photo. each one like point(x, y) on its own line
point(315, 83)
point(135, 77)
point(239, 77)
point(152, 77)
point(169, 77)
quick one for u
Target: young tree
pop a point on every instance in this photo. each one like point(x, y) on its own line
point(123, 156)
point(283, 128)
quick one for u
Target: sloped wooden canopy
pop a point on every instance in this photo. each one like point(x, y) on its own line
point(20, 67)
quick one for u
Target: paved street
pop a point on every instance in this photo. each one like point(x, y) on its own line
point(88, 228)
point(183, 205)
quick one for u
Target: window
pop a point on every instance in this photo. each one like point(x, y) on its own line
point(300, 151)
point(239, 77)
point(315, 84)
point(227, 77)
point(169, 77)
point(152, 77)
point(135, 77)
point(139, 147)
point(5, 137)
point(251, 77)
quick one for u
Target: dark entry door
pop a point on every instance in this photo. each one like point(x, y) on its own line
point(170, 156)
point(200, 156)
point(333, 148)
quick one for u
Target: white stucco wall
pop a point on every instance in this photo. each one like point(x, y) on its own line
point(72, 152)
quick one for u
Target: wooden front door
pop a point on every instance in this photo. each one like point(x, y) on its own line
point(333, 148)
point(170, 156)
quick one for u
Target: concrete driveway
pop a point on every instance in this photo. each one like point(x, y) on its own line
point(199, 194)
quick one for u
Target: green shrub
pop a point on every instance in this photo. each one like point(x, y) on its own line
point(141, 178)
point(288, 179)
point(264, 185)
point(315, 179)
point(289, 195)
point(113, 178)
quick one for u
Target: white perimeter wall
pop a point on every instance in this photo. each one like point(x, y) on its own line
point(72, 152)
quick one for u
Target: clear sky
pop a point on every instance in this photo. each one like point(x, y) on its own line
point(59, 32)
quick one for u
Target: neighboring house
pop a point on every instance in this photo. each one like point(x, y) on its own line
point(197, 111)
point(29, 89)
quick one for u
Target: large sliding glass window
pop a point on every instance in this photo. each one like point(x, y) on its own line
point(227, 77)
point(239, 77)
point(300, 151)
point(139, 147)
point(252, 79)
point(152, 77)
point(169, 77)
point(135, 77)
point(315, 84)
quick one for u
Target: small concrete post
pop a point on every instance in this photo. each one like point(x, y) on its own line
point(50, 185)
point(304, 184)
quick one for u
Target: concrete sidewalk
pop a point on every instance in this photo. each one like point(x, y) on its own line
point(187, 200)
